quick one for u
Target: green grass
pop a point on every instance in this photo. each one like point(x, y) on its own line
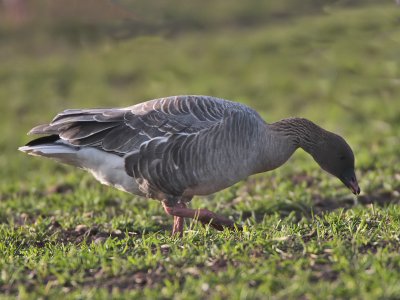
point(64, 235)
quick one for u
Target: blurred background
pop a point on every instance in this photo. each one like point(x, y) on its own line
point(334, 62)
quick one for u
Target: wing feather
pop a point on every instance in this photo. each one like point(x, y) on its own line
point(124, 130)
point(176, 162)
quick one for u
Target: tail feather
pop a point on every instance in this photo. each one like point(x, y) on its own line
point(54, 148)
point(44, 140)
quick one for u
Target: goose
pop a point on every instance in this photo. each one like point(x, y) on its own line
point(173, 148)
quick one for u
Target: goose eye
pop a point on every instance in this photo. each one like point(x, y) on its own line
point(342, 157)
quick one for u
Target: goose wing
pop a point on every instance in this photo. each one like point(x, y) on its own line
point(123, 130)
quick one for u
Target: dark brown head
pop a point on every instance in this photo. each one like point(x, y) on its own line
point(335, 156)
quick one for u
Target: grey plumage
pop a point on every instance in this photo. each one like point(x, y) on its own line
point(175, 147)
point(171, 146)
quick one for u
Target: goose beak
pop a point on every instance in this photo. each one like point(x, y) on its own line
point(353, 186)
point(350, 180)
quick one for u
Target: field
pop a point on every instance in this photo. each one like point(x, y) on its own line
point(305, 236)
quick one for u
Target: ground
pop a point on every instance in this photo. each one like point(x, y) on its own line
point(305, 235)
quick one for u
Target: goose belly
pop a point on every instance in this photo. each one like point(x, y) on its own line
point(215, 184)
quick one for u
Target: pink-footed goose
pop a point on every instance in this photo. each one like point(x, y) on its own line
point(173, 148)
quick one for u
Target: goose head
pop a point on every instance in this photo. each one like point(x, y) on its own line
point(335, 156)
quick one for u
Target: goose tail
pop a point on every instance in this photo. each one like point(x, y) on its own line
point(54, 148)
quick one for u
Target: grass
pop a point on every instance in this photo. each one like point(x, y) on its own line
point(64, 235)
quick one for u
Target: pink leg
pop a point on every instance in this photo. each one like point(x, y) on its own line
point(178, 223)
point(203, 215)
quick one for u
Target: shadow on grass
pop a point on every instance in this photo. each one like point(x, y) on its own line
point(381, 198)
point(320, 205)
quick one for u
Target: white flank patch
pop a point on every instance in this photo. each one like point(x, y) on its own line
point(107, 168)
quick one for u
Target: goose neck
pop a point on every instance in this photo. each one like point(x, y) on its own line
point(300, 132)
